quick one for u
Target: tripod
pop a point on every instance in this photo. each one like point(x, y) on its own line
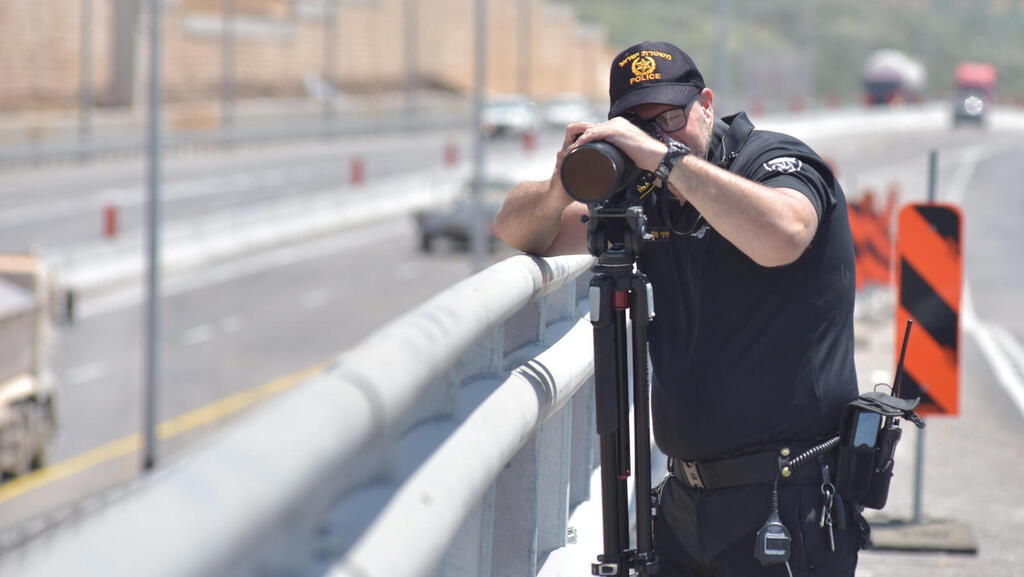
point(615, 237)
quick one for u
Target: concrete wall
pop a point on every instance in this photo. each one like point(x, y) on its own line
point(280, 49)
point(40, 49)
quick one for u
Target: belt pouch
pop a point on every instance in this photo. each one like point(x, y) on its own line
point(854, 472)
point(868, 435)
point(888, 437)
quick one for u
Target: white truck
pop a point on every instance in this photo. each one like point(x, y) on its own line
point(27, 412)
point(892, 78)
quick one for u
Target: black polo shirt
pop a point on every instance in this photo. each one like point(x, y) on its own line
point(746, 356)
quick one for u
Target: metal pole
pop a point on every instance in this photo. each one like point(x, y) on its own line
point(590, 62)
point(85, 82)
point(330, 64)
point(227, 103)
point(151, 360)
point(723, 23)
point(933, 165)
point(411, 62)
point(810, 26)
point(476, 188)
point(918, 475)
point(933, 162)
point(524, 47)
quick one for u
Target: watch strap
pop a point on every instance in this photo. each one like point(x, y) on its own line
point(676, 151)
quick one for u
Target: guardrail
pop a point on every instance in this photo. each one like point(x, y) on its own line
point(122, 135)
point(451, 442)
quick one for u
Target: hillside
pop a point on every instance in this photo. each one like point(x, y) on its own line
point(785, 49)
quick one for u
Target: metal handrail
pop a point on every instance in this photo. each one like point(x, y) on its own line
point(265, 494)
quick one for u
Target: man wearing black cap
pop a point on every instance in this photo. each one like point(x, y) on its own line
point(752, 268)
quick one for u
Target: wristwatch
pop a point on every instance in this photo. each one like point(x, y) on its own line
point(676, 151)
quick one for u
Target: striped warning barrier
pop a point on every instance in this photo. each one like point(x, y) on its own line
point(929, 274)
point(872, 238)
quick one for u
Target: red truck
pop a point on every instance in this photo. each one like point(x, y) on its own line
point(974, 92)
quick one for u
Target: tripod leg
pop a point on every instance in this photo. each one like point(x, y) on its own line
point(608, 319)
point(641, 313)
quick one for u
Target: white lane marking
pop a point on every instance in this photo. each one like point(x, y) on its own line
point(1004, 353)
point(83, 374)
point(241, 267)
point(967, 165)
point(198, 335)
point(1013, 349)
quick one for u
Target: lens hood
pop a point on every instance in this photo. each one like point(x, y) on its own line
point(593, 172)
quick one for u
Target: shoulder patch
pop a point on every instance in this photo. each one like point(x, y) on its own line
point(783, 164)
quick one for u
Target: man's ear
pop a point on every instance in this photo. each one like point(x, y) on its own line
point(707, 100)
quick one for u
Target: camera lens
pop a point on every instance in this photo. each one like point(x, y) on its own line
point(594, 171)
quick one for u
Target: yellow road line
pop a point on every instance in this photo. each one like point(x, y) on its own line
point(182, 423)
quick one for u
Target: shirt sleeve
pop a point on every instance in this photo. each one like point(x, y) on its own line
point(798, 168)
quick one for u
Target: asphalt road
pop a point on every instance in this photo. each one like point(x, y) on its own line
point(233, 327)
point(237, 326)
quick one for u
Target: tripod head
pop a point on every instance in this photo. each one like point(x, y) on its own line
point(616, 234)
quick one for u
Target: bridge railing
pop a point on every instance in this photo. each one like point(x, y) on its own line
point(453, 441)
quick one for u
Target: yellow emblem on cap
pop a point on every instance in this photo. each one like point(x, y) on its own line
point(643, 65)
point(644, 68)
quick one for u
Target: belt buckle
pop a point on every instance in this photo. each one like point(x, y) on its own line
point(691, 474)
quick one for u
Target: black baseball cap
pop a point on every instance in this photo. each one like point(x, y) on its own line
point(652, 72)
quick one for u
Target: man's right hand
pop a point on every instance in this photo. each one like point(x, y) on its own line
point(540, 217)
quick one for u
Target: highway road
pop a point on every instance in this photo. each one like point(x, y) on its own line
point(239, 331)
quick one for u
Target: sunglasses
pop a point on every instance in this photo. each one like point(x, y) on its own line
point(672, 120)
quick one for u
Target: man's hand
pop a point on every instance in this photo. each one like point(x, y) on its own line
point(572, 133)
point(540, 217)
point(645, 151)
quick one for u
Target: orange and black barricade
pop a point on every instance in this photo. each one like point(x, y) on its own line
point(929, 273)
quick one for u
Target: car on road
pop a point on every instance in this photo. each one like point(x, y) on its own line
point(452, 223)
point(569, 107)
point(509, 115)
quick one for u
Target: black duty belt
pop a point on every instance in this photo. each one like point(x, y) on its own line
point(761, 467)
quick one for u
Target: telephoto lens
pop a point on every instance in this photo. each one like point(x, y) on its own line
point(593, 172)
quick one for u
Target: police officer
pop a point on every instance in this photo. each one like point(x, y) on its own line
point(752, 268)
